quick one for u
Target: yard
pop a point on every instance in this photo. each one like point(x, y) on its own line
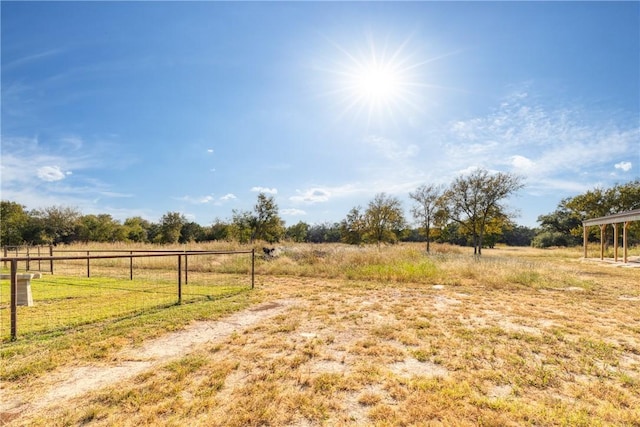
point(337, 335)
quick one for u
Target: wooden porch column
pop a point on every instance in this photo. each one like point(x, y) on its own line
point(615, 242)
point(602, 227)
point(624, 238)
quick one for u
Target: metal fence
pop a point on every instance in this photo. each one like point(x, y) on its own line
point(157, 277)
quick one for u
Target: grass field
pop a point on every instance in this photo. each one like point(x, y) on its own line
point(388, 337)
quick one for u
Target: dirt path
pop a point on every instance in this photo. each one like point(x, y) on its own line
point(75, 381)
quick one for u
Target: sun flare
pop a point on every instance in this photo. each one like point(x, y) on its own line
point(379, 82)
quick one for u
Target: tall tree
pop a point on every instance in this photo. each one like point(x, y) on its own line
point(384, 219)
point(171, 225)
point(352, 228)
point(427, 198)
point(59, 223)
point(267, 225)
point(242, 225)
point(475, 200)
point(13, 222)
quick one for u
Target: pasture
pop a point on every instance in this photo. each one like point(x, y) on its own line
point(340, 335)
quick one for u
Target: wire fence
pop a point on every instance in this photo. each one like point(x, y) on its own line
point(50, 294)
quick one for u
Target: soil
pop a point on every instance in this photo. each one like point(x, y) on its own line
point(70, 382)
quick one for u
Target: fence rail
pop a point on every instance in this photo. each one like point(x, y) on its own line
point(182, 257)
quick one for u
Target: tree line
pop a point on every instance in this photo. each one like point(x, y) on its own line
point(470, 211)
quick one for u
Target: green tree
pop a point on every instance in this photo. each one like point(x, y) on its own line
point(137, 229)
point(324, 233)
point(58, 224)
point(427, 198)
point(298, 232)
point(13, 223)
point(191, 232)
point(267, 224)
point(242, 226)
point(170, 227)
point(474, 202)
point(384, 219)
point(353, 227)
point(219, 230)
point(99, 228)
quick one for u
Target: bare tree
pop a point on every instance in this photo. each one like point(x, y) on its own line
point(474, 200)
point(427, 198)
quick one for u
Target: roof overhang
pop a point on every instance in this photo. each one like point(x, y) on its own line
point(633, 215)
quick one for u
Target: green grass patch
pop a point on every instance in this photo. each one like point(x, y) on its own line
point(401, 271)
point(92, 318)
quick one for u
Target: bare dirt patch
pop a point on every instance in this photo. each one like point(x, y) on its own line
point(75, 381)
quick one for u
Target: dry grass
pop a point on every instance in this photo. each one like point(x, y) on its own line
point(394, 337)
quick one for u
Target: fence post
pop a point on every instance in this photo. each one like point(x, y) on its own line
point(51, 255)
point(186, 269)
point(179, 279)
point(14, 299)
point(88, 268)
point(253, 267)
point(131, 266)
point(39, 260)
point(5, 255)
point(28, 262)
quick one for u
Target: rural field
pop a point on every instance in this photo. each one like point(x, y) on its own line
point(345, 335)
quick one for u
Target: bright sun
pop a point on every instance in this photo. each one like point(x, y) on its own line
point(378, 82)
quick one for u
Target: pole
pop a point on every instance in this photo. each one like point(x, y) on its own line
point(28, 263)
point(130, 266)
point(186, 269)
point(51, 255)
point(253, 267)
point(88, 268)
point(179, 279)
point(14, 300)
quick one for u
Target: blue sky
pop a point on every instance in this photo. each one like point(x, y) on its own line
point(139, 109)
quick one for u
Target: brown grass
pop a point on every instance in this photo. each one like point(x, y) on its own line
point(519, 337)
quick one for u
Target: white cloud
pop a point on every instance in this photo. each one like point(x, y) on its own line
point(265, 190)
point(210, 150)
point(293, 212)
point(521, 163)
point(547, 145)
point(197, 200)
point(625, 166)
point(228, 196)
point(50, 173)
point(311, 195)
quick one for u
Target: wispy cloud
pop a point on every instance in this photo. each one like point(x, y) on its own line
point(311, 195)
point(228, 196)
point(551, 147)
point(293, 212)
point(265, 190)
point(199, 200)
point(391, 149)
point(38, 174)
point(30, 58)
